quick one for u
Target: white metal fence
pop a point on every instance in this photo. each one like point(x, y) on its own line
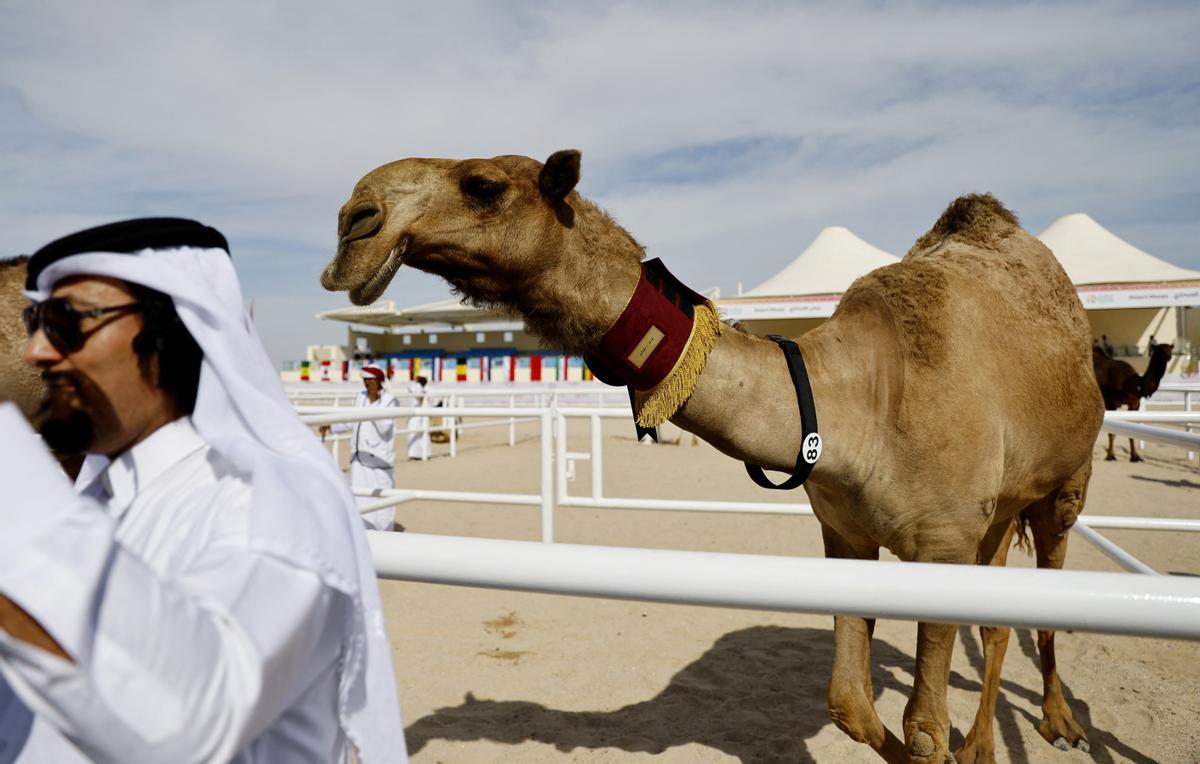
point(1114, 603)
point(1154, 606)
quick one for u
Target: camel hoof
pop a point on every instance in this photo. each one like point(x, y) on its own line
point(1082, 745)
point(1110, 458)
point(1135, 458)
point(921, 745)
point(1061, 744)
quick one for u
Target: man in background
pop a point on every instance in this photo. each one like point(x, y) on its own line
point(420, 444)
point(372, 449)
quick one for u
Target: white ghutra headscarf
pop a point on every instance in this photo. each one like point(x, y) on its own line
point(302, 509)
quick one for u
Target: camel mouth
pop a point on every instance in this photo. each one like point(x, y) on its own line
point(371, 289)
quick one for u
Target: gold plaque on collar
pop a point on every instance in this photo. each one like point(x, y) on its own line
point(649, 342)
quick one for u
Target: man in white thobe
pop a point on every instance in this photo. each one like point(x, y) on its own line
point(372, 448)
point(420, 445)
point(206, 594)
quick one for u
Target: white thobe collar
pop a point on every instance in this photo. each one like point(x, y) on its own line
point(139, 466)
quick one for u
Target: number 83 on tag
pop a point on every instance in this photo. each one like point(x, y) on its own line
point(811, 450)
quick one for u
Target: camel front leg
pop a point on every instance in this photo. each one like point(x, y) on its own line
point(980, 744)
point(1109, 456)
point(926, 717)
point(1050, 520)
point(1134, 456)
point(850, 697)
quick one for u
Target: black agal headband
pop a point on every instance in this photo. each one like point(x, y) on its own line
point(126, 236)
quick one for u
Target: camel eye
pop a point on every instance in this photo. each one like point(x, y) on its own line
point(481, 192)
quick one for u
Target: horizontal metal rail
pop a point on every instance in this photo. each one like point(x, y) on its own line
point(390, 496)
point(1112, 551)
point(685, 505)
point(1172, 417)
point(333, 415)
point(1109, 603)
point(1139, 523)
point(1151, 433)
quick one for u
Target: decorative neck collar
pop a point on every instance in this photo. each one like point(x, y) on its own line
point(659, 344)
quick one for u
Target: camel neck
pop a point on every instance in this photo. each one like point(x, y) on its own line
point(739, 404)
point(575, 300)
point(1154, 373)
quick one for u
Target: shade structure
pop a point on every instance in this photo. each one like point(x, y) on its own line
point(828, 266)
point(452, 312)
point(1091, 254)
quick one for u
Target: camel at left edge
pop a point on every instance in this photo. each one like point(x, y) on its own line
point(924, 453)
point(19, 382)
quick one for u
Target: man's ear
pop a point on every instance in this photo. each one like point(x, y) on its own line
point(559, 175)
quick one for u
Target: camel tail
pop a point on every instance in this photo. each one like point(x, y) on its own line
point(1023, 533)
point(978, 219)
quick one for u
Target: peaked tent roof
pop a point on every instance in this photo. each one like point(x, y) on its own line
point(1091, 254)
point(834, 259)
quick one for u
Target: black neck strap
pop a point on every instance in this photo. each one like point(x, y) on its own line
point(810, 444)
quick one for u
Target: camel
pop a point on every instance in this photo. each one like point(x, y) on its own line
point(19, 382)
point(1120, 386)
point(925, 454)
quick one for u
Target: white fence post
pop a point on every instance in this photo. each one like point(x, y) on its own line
point(453, 429)
point(423, 402)
point(560, 451)
point(597, 462)
point(1187, 406)
point(547, 478)
point(512, 422)
point(337, 442)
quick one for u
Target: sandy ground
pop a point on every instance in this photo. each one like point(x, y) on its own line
point(494, 676)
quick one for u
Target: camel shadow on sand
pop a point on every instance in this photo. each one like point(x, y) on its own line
point(757, 694)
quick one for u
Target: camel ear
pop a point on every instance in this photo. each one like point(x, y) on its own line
point(559, 175)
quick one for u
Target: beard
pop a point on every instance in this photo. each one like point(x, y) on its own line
point(71, 434)
point(63, 424)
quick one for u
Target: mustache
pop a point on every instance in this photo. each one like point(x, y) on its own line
point(53, 378)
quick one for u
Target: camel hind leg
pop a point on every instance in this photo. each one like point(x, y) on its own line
point(979, 746)
point(1134, 456)
point(851, 704)
point(1050, 521)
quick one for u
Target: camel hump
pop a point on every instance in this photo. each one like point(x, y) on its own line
point(978, 219)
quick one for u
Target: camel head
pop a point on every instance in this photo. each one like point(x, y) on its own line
point(1161, 353)
point(484, 225)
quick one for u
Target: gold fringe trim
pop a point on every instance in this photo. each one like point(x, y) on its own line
point(668, 396)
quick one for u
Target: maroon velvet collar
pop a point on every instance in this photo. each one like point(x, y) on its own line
point(644, 344)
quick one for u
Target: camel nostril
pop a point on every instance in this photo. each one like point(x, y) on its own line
point(361, 221)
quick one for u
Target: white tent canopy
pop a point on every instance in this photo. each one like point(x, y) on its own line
point(1091, 254)
point(830, 264)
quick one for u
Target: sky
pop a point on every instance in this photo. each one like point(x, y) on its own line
point(723, 136)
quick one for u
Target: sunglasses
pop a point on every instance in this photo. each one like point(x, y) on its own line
point(59, 320)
